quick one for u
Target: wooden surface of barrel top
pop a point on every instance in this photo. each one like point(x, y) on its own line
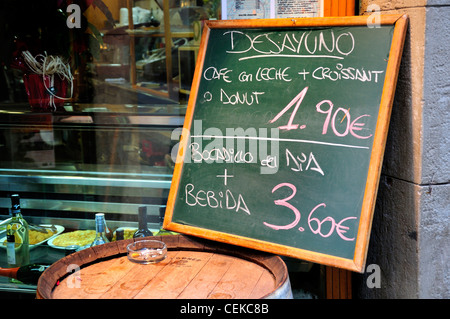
point(194, 269)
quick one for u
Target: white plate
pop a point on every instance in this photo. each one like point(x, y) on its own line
point(59, 230)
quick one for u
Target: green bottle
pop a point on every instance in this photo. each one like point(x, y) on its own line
point(28, 274)
point(17, 238)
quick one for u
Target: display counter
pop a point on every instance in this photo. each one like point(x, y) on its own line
point(81, 160)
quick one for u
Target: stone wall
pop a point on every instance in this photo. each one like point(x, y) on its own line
point(410, 239)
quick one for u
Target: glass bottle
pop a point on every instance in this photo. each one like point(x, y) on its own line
point(100, 230)
point(120, 234)
point(17, 236)
point(28, 274)
point(142, 231)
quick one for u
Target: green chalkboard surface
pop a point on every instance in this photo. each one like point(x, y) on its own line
point(284, 135)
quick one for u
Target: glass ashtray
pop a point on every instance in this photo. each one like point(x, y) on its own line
point(147, 251)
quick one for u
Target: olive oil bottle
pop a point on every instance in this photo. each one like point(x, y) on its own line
point(17, 238)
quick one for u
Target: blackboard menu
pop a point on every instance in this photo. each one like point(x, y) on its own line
point(284, 135)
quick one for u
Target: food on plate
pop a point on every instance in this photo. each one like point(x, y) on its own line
point(77, 237)
point(38, 236)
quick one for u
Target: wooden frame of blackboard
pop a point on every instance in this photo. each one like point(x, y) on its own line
point(357, 264)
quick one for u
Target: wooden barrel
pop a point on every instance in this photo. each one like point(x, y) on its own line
point(194, 269)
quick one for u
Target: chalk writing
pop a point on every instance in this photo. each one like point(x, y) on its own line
point(216, 200)
point(297, 101)
point(347, 73)
point(314, 224)
point(247, 98)
point(225, 177)
point(267, 74)
point(220, 155)
point(269, 161)
point(340, 229)
point(325, 44)
point(213, 73)
point(351, 126)
point(298, 162)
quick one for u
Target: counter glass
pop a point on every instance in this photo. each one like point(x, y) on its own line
point(72, 163)
point(90, 98)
